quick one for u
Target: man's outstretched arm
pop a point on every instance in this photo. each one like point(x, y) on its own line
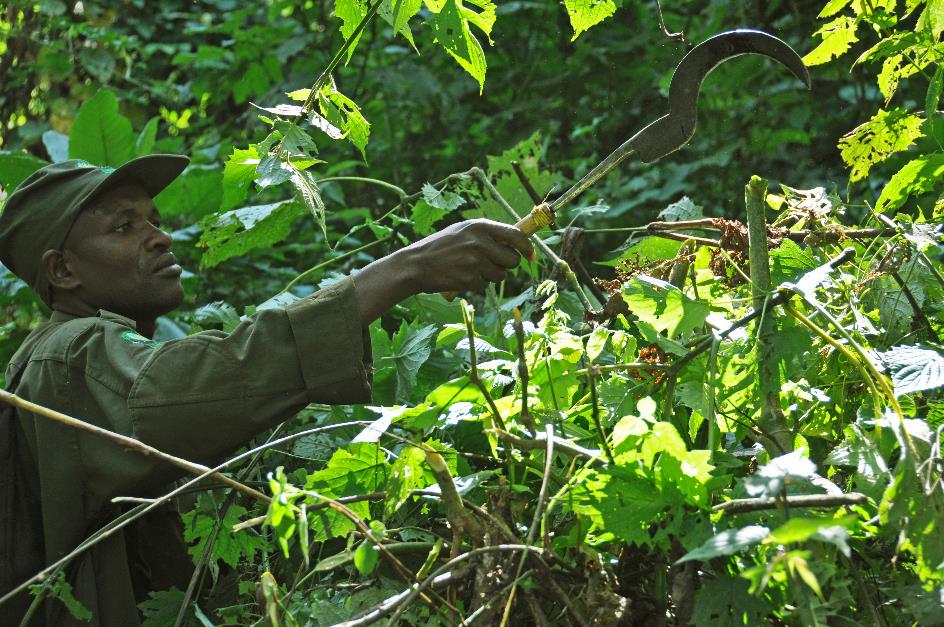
point(465, 256)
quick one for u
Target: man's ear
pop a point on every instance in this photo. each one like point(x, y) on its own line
point(58, 272)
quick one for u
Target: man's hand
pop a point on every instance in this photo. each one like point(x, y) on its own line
point(462, 257)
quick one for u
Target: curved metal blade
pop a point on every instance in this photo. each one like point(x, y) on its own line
point(671, 132)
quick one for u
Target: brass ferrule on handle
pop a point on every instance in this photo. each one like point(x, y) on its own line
point(539, 217)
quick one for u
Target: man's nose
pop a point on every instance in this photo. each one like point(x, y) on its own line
point(157, 238)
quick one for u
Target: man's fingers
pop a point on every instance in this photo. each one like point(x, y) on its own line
point(503, 255)
point(493, 273)
point(507, 234)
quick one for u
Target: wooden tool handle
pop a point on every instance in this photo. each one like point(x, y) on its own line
point(537, 219)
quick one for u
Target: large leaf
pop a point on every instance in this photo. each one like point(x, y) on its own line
point(238, 174)
point(837, 37)
point(874, 141)
point(411, 349)
point(586, 13)
point(195, 193)
point(450, 26)
point(824, 529)
point(239, 231)
point(916, 177)
point(727, 543)
point(15, 166)
point(101, 135)
point(405, 476)
point(914, 369)
point(663, 305)
point(770, 479)
point(229, 546)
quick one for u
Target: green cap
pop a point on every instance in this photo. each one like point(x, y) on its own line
point(39, 214)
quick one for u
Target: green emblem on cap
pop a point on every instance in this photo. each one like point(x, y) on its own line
point(136, 338)
point(106, 169)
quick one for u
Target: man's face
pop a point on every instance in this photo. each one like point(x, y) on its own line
point(122, 258)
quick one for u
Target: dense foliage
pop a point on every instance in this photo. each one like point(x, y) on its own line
point(624, 443)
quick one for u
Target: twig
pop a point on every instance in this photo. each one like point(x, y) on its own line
point(137, 445)
point(665, 31)
point(740, 506)
point(595, 413)
point(535, 198)
point(636, 365)
point(523, 375)
point(468, 312)
point(539, 442)
point(536, 520)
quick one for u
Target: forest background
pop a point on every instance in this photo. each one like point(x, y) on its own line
point(635, 449)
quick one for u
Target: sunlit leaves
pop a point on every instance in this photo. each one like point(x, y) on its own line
point(451, 26)
point(664, 306)
point(238, 174)
point(837, 37)
point(410, 350)
point(200, 527)
point(100, 134)
point(874, 141)
point(586, 13)
point(728, 542)
point(916, 177)
point(770, 479)
point(914, 369)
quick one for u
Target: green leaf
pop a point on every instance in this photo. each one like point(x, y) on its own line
point(342, 112)
point(411, 349)
point(646, 249)
point(874, 141)
point(362, 468)
point(238, 173)
point(916, 177)
point(239, 231)
point(15, 167)
point(832, 8)
point(725, 600)
point(98, 62)
point(350, 12)
point(101, 135)
point(858, 451)
point(424, 216)
point(769, 480)
point(195, 193)
point(932, 18)
point(405, 476)
point(441, 199)
point(307, 188)
point(933, 97)
point(664, 306)
point(272, 171)
point(61, 589)
point(365, 557)
point(144, 145)
point(450, 26)
point(789, 261)
point(727, 543)
point(824, 529)
point(217, 312)
point(914, 369)
point(229, 546)
point(586, 13)
point(398, 13)
point(837, 38)
point(161, 609)
point(682, 209)
point(252, 81)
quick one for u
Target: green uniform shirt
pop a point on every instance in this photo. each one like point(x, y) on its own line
point(199, 397)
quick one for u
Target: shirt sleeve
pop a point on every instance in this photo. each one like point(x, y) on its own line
point(203, 396)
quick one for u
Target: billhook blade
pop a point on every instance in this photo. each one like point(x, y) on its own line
point(672, 131)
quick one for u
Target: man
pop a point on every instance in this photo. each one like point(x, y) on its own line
point(88, 241)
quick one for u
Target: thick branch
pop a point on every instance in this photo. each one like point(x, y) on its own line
point(740, 506)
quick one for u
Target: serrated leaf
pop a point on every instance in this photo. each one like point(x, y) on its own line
point(217, 312)
point(838, 36)
point(860, 452)
point(874, 141)
point(424, 216)
point(398, 13)
point(101, 135)
point(229, 546)
point(441, 199)
point(914, 369)
point(61, 589)
point(343, 113)
point(584, 14)
point(411, 349)
point(769, 480)
point(296, 142)
point(450, 26)
point(405, 476)
point(272, 171)
point(350, 12)
point(322, 124)
point(663, 305)
point(916, 177)
point(727, 543)
point(307, 188)
point(682, 209)
point(361, 468)
point(238, 173)
point(284, 110)
point(789, 261)
point(824, 529)
point(241, 230)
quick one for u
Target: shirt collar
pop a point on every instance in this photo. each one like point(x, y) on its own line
point(61, 316)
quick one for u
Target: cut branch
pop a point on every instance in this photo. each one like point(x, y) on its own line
point(740, 506)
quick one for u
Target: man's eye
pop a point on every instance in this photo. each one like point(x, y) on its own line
point(121, 228)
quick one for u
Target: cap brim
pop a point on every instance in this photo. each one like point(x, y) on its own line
point(152, 172)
